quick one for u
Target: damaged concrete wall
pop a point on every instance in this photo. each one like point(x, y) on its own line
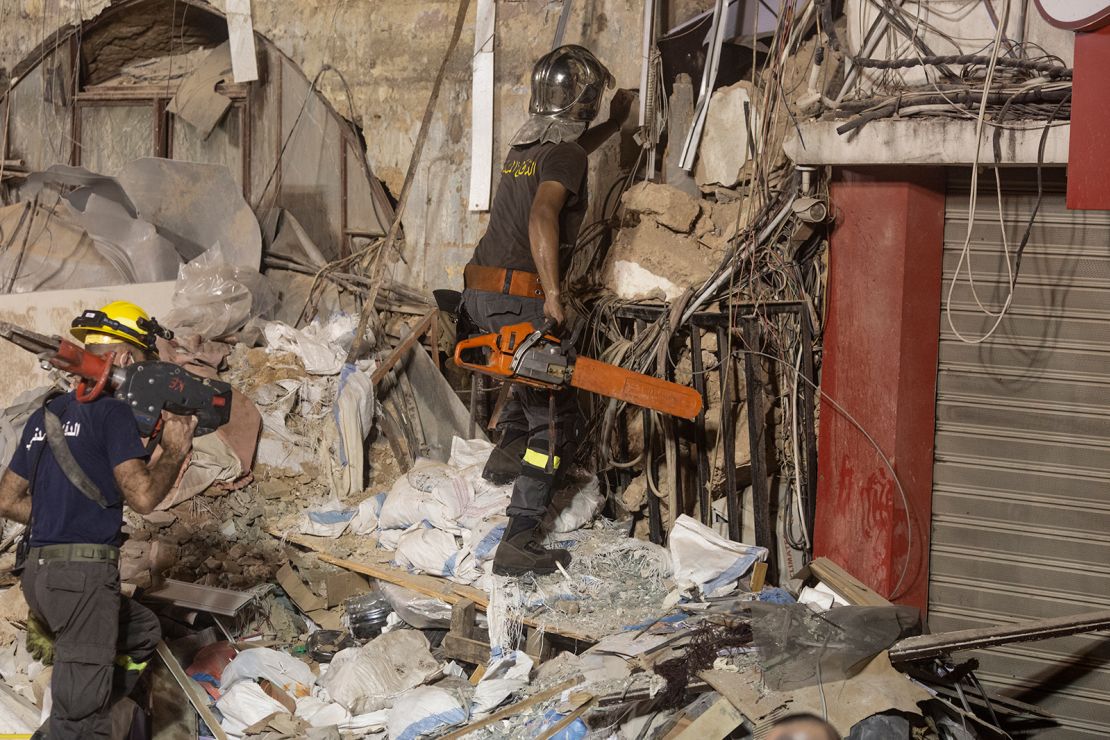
point(388, 53)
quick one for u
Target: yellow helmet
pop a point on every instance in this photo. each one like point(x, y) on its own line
point(119, 320)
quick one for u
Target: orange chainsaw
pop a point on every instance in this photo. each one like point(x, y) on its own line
point(520, 353)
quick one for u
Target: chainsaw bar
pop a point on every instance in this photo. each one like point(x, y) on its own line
point(635, 388)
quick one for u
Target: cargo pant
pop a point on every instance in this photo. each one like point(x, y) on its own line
point(80, 602)
point(527, 411)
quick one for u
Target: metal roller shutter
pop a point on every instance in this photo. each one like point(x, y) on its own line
point(1021, 491)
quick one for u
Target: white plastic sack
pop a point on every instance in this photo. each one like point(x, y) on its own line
point(319, 713)
point(281, 669)
point(366, 679)
point(322, 345)
point(354, 417)
point(705, 560)
point(485, 538)
point(467, 453)
point(330, 520)
point(575, 506)
point(505, 676)
point(365, 520)
point(244, 704)
point(424, 711)
point(426, 475)
point(430, 550)
point(441, 506)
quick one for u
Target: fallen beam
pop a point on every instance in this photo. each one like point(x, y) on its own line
point(923, 647)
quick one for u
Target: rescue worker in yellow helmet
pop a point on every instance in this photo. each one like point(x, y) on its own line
point(76, 466)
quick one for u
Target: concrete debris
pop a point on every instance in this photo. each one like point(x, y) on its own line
point(728, 142)
point(197, 102)
point(668, 205)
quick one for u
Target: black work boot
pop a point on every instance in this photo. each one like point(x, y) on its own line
point(503, 465)
point(520, 551)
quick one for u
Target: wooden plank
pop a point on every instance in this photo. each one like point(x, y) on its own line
point(922, 647)
point(462, 618)
point(759, 577)
point(196, 697)
point(422, 327)
point(847, 586)
point(515, 709)
point(565, 722)
point(715, 723)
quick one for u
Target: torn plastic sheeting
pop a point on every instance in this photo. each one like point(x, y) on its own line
point(244, 704)
point(416, 609)
point(321, 346)
point(505, 676)
point(367, 678)
point(196, 206)
point(704, 560)
point(354, 418)
point(214, 298)
point(575, 505)
point(280, 669)
point(424, 712)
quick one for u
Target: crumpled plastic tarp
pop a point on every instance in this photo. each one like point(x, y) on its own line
point(214, 298)
point(705, 560)
point(291, 675)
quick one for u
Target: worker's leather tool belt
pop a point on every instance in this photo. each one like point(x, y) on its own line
point(87, 553)
point(502, 280)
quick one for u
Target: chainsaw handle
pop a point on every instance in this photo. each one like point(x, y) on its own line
point(84, 394)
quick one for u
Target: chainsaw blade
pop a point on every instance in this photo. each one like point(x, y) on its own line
point(635, 388)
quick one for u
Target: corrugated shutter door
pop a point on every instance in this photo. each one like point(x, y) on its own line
point(1021, 491)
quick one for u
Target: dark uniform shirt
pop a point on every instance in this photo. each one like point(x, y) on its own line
point(506, 242)
point(101, 435)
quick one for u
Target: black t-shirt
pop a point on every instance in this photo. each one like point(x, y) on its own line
point(506, 243)
point(101, 435)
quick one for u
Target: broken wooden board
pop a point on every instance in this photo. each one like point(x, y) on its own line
point(714, 723)
point(847, 586)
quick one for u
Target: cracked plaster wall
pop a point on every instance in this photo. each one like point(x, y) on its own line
point(388, 51)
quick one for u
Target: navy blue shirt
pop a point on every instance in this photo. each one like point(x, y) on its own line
point(101, 435)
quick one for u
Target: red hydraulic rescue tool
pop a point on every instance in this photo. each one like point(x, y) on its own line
point(520, 353)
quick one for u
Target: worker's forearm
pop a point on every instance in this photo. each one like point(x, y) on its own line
point(543, 237)
point(598, 135)
point(15, 503)
point(163, 474)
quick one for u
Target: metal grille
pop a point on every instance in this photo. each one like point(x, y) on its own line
point(1021, 489)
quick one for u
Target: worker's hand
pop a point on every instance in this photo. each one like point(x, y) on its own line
point(620, 106)
point(177, 434)
point(553, 308)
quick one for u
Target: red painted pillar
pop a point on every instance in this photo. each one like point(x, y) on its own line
point(1089, 143)
point(880, 366)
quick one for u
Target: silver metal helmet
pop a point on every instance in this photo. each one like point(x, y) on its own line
point(568, 83)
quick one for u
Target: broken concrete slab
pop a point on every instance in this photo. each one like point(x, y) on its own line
point(197, 103)
point(726, 142)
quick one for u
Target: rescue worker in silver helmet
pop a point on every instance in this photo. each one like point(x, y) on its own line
point(515, 276)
